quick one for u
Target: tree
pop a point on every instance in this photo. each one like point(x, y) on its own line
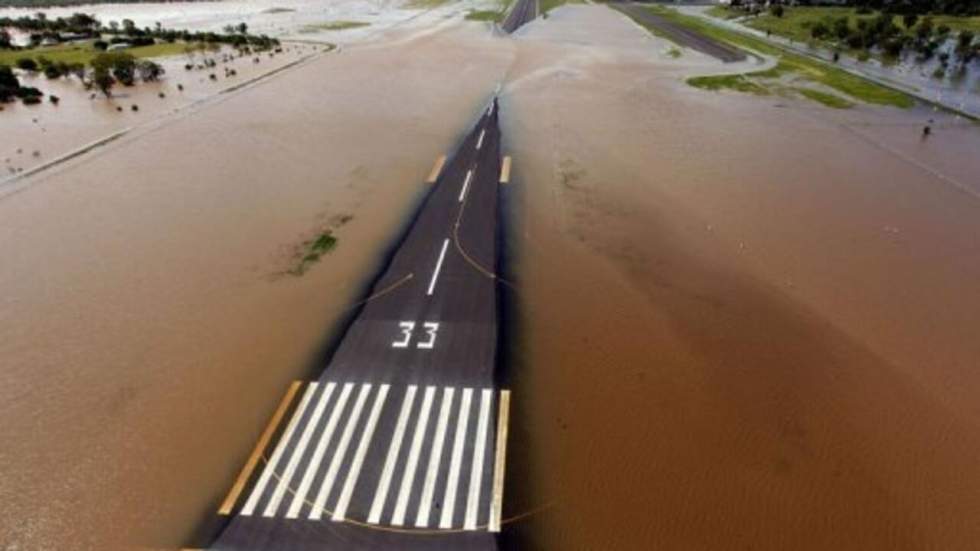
point(243, 28)
point(149, 71)
point(111, 67)
point(128, 26)
point(819, 30)
point(777, 10)
point(910, 19)
point(924, 30)
point(8, 84)
point(6, 42)
point(842, 28)
point(26, 64)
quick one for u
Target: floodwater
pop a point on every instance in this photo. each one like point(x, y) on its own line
point(748, 323)
point(744, 322)
point(148, 329)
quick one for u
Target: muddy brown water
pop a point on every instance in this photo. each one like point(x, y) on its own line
point(744, 322)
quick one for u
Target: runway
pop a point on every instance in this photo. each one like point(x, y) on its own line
point(400, 443)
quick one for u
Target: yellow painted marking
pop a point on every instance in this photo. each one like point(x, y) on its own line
point(436, 169)
point(499, 461)
point(505, 170)
point(270, 429)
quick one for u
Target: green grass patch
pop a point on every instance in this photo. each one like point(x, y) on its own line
point(332, 26)
point(313, 251)
point(83, 52)
point(490, 16)
point(425, 4)
point(796, 22)
point(674, 53)
point(738, 83)
point(803, 67)
point(723, 12)
point(828, 100)
point(547, 5)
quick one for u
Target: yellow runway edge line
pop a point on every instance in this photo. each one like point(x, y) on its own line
point(270, 429)
point(436, 169)
point(505, 170)
point(498, 469)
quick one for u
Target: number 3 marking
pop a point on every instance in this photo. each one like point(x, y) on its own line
point(430, 330)
point(406, 327)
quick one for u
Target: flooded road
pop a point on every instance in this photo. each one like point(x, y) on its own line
point(744, 322)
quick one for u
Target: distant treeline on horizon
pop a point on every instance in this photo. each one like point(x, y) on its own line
point(63, 3)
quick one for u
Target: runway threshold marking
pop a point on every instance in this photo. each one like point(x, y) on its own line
point(270, 467)
point(435, 457)
point(479, 142)
point(479, 450)
point(381, 494)
point(340, 511)
point(236, 489)
point(405, 492)
point(466, 185)
point(505, 170)
point(436, 169)
point(304, 440)
point(328, 481)
point(435, 272)
point(497, 496)
point(449, 500)
point(299, 497)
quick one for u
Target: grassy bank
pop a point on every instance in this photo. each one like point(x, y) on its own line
point(332, 26)
point(793, 66)
point(83, 52)
point(796, 22)
point(491, 16)
point(548, 5)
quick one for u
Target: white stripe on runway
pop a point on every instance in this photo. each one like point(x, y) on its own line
point(304, 440)
point(476, 474)
point(479, 142)
point(466, 185)
point(338, 456)
point(340, 511)
point(253, 499)
point(449, 501)
point(408, 473)
point(299, 498)
point(429, 487)
point(435, 273)
point(381, 494)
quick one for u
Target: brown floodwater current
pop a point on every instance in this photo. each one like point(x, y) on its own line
point(742, 322)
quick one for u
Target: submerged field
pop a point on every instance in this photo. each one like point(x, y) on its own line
point(743, 321)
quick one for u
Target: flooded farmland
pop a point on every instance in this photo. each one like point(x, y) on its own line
point(744, 322)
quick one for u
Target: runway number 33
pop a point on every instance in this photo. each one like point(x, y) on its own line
point(407, 329)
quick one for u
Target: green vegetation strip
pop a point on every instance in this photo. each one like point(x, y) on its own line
point(313, 251)
point(332, 26)
point(84, 52)
point(491, 16)
point(548, 5)
point(803, 67)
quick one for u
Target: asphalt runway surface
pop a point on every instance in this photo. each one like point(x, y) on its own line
point(394, 446)
point(681, 35)
point(524, 11)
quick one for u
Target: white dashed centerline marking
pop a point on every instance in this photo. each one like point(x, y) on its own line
point(466, 185)
point(381, 494)
point(435, 273)
point(340, 511)
point(259, 489)
point(479, 142)
point(299, 498)
point(401, 506)
point(449, 501)
point(429, 487)
point(476, 478)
